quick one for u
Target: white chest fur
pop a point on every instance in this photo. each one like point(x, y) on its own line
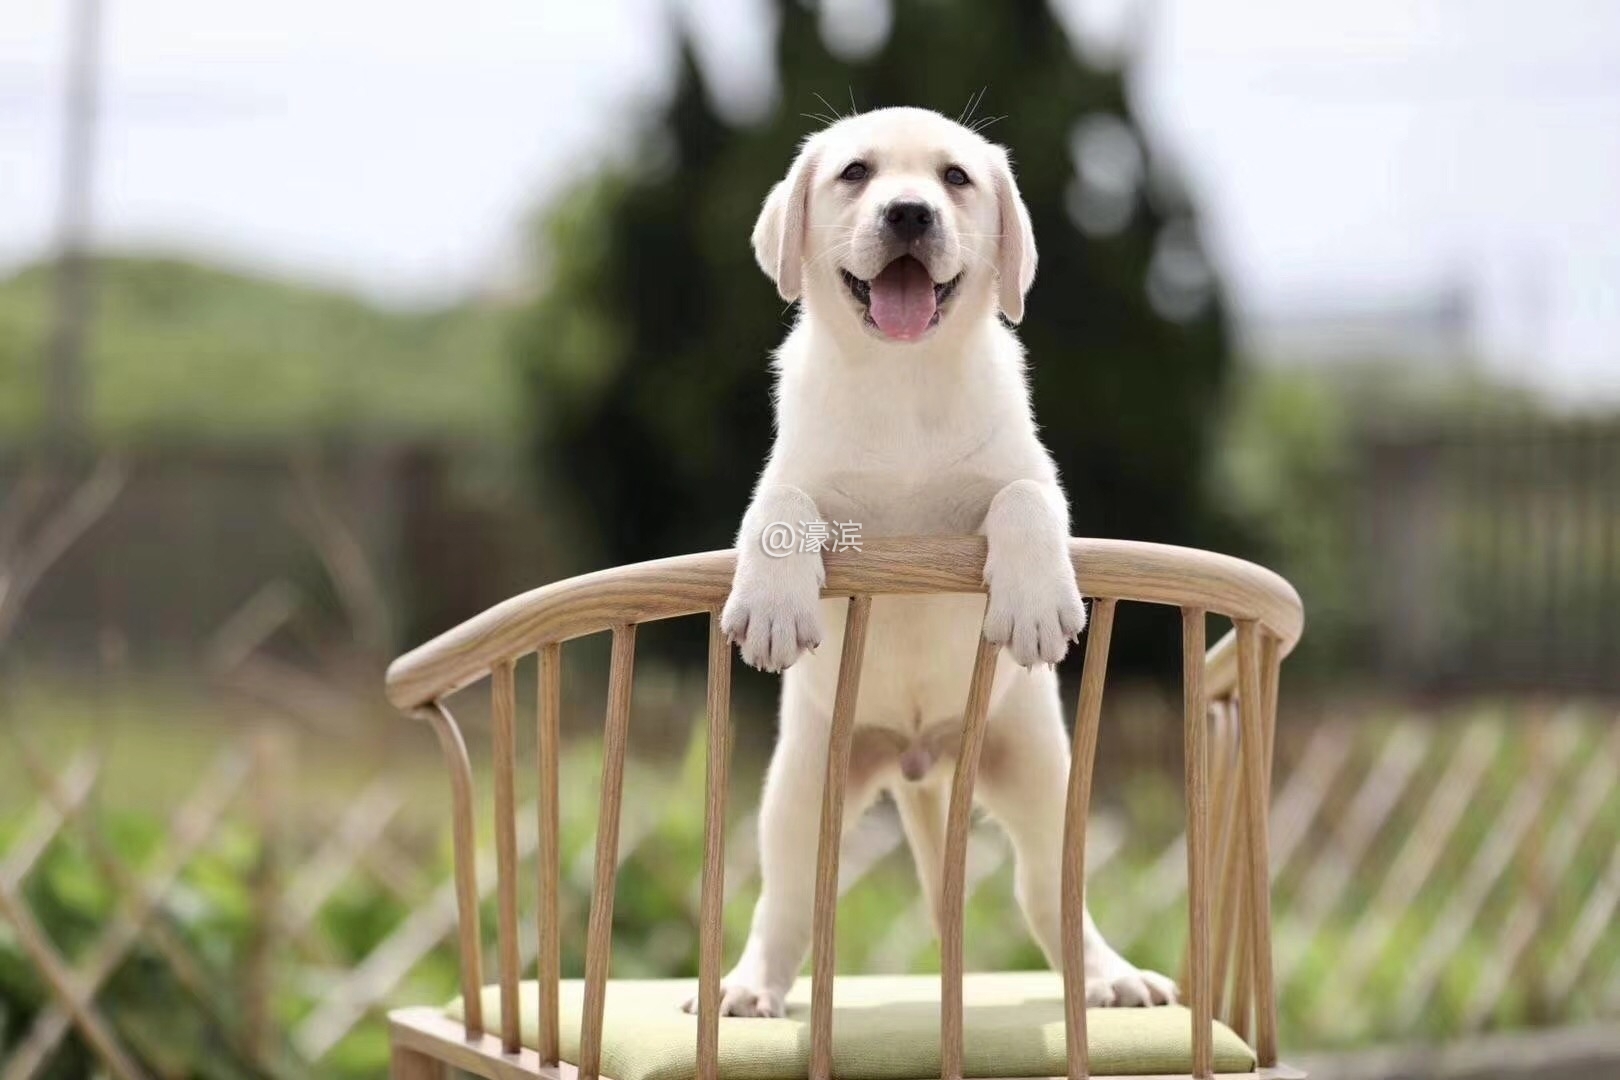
point(913, 445)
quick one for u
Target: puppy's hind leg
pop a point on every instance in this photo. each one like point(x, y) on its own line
point(922, 807)
point(789, 833)
point(1023, 784)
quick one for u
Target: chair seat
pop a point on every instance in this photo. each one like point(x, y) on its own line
point(885, 1027)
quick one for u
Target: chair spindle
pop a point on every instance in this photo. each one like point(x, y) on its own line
point(1251, 708)
point(958, 822)
point(548, 962)
point(1226, 795)
point(1195, 726)
point(464, 837)
point(503, 702)
point(711, 924)
point(823, 964)
point(599, 933)
point(1076, 821)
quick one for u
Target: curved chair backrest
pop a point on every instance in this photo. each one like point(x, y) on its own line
point(1230, 696)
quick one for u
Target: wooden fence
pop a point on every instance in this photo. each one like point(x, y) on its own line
point(1432, 879)
point(1497, 551)
point(185, 534)
point(1491, 551)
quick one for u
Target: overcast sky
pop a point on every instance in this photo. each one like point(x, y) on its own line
point(1346, 153)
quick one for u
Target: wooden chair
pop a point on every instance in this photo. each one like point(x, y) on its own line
point(1230, 700)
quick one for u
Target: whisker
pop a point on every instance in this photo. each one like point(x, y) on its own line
point(840, 245)
point(974, 101)
point(830, 108)
point(835, 250)
point(832, 255)
point(982, 258)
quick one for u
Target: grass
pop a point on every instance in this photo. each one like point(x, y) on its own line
point(184, 351)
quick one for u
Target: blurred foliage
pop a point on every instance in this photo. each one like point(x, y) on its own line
point(1289, 462)
point(1286, 464)
point(169, 1029)
point(182, 351)
point(177, 1028)
point(647, 350)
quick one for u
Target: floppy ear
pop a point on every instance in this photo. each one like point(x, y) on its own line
point(779, 232)
point(1015, 255)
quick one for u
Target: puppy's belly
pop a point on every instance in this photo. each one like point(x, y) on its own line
point(917, 666)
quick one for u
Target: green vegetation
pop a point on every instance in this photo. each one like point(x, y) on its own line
point(1291, 463)
point(185, 352)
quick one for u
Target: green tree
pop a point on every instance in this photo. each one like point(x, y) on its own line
point(647, 352)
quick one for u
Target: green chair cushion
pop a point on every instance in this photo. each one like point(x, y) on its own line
point(885, 1027)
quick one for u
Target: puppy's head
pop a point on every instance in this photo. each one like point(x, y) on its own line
point(899, 220)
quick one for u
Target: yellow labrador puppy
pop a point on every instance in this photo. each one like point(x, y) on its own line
point(901, 406)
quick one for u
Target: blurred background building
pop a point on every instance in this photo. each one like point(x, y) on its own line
point(324, 327)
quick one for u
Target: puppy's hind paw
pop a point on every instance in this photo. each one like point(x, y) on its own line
point(737, 999)
point(1136, 987)
point(1099, 993)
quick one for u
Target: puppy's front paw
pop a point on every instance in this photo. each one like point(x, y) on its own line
point(1035, 608)
point(740, 999)
point(1131, 986)
point(773, 613)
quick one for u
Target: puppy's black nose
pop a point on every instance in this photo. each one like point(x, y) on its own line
point(909, 220)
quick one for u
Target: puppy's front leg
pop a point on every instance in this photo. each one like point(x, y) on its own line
point(1035, 608)
point(772, 613)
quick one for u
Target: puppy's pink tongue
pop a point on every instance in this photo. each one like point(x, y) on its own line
point(902, 301)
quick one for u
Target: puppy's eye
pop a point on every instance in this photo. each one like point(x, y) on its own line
point(956, 177)
point(854, 172)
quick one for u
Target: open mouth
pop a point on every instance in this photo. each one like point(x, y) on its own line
point(903, 302)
